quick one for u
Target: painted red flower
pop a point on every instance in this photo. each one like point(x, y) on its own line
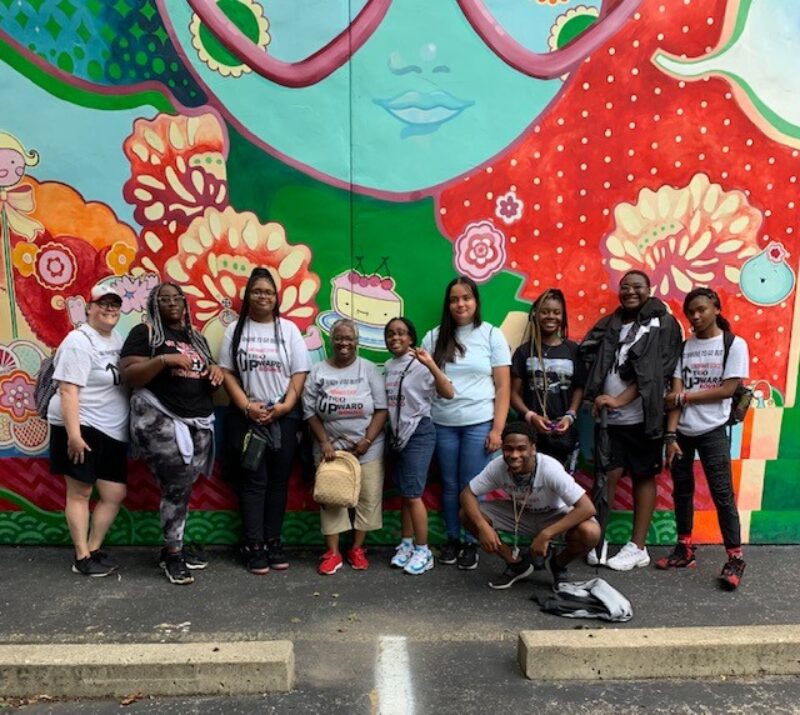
point(480, 251)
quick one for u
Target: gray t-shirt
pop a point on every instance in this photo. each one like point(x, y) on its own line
point(89, 360)
point(265, 367)
point(416, 393)
point(345, 399)
point(632, 413)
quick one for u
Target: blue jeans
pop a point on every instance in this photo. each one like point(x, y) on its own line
point(413, 461)
point(461, 455)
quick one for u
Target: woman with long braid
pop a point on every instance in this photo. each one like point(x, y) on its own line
point(265, 363)
point(172, 413)
point(547, 378)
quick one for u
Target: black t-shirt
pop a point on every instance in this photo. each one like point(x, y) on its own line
point(187, 393)
point(565, 373)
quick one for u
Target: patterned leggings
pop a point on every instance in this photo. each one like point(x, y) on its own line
point(154, 435)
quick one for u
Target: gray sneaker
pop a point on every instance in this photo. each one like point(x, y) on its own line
point(90, 567)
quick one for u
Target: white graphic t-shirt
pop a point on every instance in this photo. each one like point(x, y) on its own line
point(265, 366)
point(553, 489)
point(91, 361)
point(345, 399)
point(701, 369)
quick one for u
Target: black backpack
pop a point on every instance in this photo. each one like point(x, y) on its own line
point(742, 396)
point(46, 386)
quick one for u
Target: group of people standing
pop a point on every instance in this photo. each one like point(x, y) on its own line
point(447, 397)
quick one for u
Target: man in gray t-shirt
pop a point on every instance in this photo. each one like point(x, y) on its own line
point(544, 502)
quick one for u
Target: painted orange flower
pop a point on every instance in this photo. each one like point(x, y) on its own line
point(120, 258)
point(216, 255)
point(696, 235)
point(23, 256)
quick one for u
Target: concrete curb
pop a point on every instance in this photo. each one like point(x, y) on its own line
point(626, 654)
point(81, 671)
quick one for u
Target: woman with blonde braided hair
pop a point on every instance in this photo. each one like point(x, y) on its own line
point(547, 378)
point(169, 364)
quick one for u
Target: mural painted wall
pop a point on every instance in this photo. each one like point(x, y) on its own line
point(366, 150)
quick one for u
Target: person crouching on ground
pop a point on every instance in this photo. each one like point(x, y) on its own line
point(544, 502)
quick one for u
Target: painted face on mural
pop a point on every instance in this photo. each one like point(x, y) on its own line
point(12, 167)
point(417, 105)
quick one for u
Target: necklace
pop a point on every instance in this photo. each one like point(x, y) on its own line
point(519, 511)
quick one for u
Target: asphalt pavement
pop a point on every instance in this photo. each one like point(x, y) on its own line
point(441, 642)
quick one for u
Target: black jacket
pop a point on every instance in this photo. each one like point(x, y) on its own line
point(651, 359)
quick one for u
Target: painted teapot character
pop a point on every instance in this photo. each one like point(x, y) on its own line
point(428, 90)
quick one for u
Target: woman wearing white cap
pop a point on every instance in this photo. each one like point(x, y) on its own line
point(88, 417)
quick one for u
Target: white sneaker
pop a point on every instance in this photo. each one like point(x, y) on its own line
point(629, 557)
point(402, 554)
point(420, 562)
point(591, 557)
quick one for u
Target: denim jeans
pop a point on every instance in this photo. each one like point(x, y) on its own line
point(714, 450)
point(461, 455)
point(411, 464)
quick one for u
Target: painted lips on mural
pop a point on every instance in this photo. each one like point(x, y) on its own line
point(421, 104)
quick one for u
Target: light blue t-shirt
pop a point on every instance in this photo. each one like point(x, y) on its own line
point(471, 375)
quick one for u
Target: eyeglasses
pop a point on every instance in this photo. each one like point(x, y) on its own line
point(263, 293)
point(169, 299)
point(109, 304)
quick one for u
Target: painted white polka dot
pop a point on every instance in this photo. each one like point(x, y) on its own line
point(607, 159)
point(710, 21)
point(747, 167)
point(489, 195)
point(635, 43)
point(585, 113)
point(654, 145)
point(513, 162)
point(630, 177)
point(678, 138)
point(607, 133)
point(679, 111)
point(489, 170)
point(466, 203)
point(657, 90)
point(654, 171)
point(631, 125)
point(703, 104)
point(582, 243)
point(560, 147)
point(656, 117)
point(560, 225)
point(584, 140)
point(634, 98)
point(685, 29)
point(749, 142)
point(609, 105)
point(537, 180)
point(703, 130)
point(724, 175)
point(635, 71)
point(606, 184)
point(701, 156)
point(678, 164)
point(584, 167)
point(610, 79)
point(660, 36)
point(442, 211)
point(582, 192)
point(559, 199)
point(559, 249)
point(725, 149)
point(582, 218)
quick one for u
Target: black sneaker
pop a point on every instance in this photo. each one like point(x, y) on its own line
point(176, 570)
point(90, 567)
point(468, 558)
point(513, 573)
point(682, 557)
point(277, 556)
point(195, 557)
point(732, 573)
point(559, 574)
point(448, 554)
point(103, 559)
point(256, 559)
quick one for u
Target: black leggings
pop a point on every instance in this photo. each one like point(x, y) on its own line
point(263, 492)
point(714, 450)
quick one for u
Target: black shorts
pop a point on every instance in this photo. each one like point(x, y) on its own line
point(636, 453)
point(108, 459)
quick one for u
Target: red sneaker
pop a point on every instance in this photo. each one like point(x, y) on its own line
point(732, 573)
point(358, 558)
point(330, 563)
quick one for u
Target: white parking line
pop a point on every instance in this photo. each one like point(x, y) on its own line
point(393, 677)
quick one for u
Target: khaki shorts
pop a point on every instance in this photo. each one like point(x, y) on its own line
point(501, 513)
point(369, 510)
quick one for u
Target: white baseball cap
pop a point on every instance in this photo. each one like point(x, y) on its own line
point(100, 290)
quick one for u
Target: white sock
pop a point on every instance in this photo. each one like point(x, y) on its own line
point(422, 546)
point(407, 542)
